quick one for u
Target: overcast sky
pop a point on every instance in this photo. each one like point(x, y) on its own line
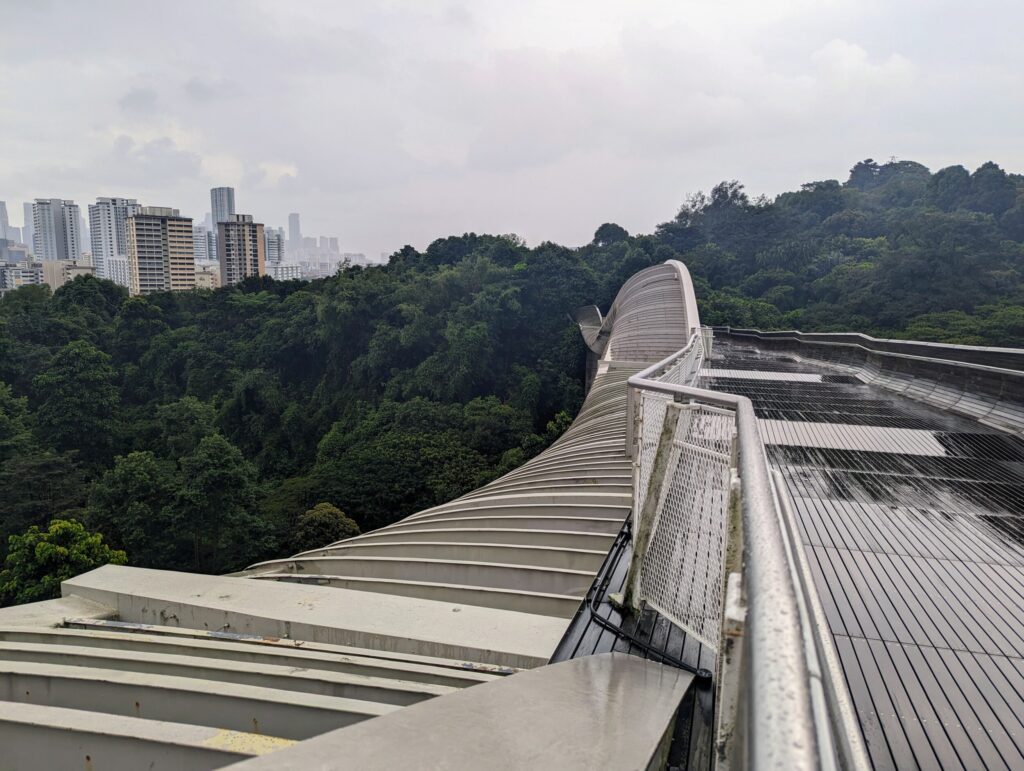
point(388, 123)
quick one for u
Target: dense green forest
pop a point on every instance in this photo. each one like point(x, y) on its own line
point(209, 429)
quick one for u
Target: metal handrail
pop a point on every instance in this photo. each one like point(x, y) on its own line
point(861, 342)
point(782, 721)
point(782, 724)
point(648, 376)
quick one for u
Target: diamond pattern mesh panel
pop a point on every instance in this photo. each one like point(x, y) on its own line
point(681, 571)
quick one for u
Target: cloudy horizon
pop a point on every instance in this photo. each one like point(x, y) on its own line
point(393, 123)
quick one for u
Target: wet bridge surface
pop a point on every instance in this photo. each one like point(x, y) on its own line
point(911, 519)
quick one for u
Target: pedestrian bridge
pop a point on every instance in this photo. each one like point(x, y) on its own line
point(750, 549)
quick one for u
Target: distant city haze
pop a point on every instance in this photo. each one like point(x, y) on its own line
point(400, 122)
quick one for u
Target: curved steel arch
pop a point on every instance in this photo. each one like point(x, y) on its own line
point(533, 539)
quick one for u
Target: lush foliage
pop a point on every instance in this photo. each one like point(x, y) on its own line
point(39, 560)
point(895, 250)
point(321, 525)
point(200, 430)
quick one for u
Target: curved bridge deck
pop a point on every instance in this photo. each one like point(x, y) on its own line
point(882, 574)
point(133, 667)
point(532, 540)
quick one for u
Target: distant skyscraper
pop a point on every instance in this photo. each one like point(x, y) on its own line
point(241, 249)
point(204, 244)
point(10, 251)
point(222, 203)
point(4, 222)
point(56, 233)
point(26, 226)
point(275, 245)
point(108, 230)
point(160, 251)
point(199, 250)
point(284, 271)
point(294, 232)
point(332, 244)
point(309, 242)
point(83, 231)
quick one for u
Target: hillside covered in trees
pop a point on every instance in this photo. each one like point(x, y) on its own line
point(206, 430)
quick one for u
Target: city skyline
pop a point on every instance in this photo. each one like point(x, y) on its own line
point(102, 233)
point(403, 123)
point(149, 249)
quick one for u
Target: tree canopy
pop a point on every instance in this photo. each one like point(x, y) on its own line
point(39, 560)
point(197, 430)
point(322, 525)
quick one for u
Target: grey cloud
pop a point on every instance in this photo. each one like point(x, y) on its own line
point(459, 16)
point(204, 90)
point(133, 162)
point(141, 100)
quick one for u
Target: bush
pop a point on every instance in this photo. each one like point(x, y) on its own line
point(321, 525)
point(39, 560)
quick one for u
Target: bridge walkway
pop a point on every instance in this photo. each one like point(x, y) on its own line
point(912, 520)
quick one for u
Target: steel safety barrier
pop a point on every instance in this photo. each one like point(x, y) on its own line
point(714, 554)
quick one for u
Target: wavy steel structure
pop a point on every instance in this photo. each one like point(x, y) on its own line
point(135, 667)
point(854, 506)
point(532, 540)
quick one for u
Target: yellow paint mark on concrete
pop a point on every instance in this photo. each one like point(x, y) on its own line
point(250, 744)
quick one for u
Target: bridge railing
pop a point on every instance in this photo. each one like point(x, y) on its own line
point(983, 384)
point(713, 552)
point(982, 355)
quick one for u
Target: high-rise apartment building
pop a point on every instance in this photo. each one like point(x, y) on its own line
point(119, 270)
point(241, 249)
point(56, 229)
point(332, 245)
point(7, 230)
point(284, 271)
point(204, 244)
point(17, 274)
point(222, 204)
point(294, 232)
point(12, 251)
point(108, 230)
point(160, 252)
point(275, 245)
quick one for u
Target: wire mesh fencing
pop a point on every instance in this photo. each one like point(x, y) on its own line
point(685, 370)
point(684, 457)
point(681, 570)
point(650, 417)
